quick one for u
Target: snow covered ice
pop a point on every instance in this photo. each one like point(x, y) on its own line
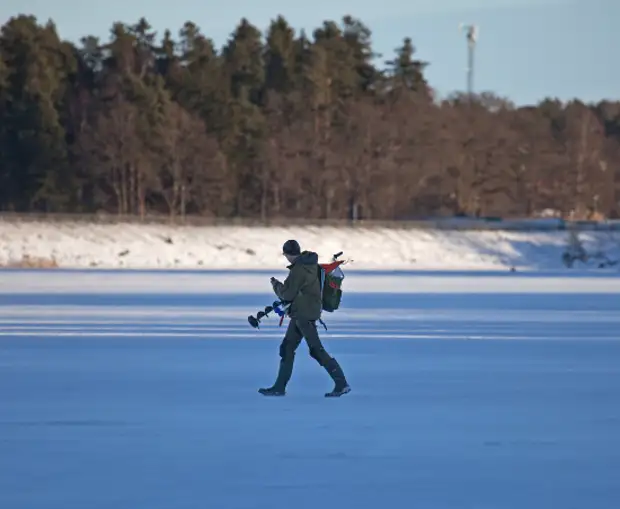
point(138, 390)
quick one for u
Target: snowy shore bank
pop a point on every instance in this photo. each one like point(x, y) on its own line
point(144, 246)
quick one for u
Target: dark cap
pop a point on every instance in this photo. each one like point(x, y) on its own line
point(291, 247)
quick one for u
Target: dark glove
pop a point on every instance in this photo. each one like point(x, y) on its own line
point(274, 282)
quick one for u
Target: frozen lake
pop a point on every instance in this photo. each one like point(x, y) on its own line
point(138, 391)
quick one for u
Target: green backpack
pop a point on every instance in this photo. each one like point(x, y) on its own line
point(331, 277)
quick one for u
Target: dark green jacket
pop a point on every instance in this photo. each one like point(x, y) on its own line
point(302, 287)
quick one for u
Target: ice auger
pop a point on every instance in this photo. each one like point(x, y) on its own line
point(277, 307)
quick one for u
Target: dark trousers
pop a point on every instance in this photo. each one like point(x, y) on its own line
point(296, 331)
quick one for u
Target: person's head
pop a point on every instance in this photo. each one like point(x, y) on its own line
point(291, 250)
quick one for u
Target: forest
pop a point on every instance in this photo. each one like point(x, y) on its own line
point(278, 124)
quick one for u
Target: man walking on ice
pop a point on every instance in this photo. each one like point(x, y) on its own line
point(302, 288)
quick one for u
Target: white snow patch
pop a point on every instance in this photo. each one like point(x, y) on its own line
point(83, 245)
point(175, 283)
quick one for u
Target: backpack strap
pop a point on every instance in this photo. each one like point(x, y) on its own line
point(322, 274)
point(322, 285)
point(321, 279)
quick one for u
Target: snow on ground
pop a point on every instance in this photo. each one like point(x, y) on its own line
point(202, 283)
point(478, 397)
point(85, 245)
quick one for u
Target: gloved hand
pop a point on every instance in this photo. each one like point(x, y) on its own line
point(274, 282)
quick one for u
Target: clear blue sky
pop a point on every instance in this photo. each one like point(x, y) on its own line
point(527, 49)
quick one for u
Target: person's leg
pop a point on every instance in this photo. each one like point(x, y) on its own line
point(318, 352)
point(289, 344)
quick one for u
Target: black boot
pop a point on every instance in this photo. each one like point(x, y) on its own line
point(284, 375)
point(272, 391)
point(341, 385)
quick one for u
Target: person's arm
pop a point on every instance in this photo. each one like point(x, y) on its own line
point(288, 290)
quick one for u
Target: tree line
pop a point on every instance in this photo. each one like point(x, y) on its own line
point(280, 125)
